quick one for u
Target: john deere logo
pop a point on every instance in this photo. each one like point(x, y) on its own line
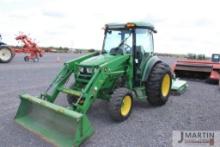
point(194, 138)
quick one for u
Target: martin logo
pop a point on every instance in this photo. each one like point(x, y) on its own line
point(196, 138)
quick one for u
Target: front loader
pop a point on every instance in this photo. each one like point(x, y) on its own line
point(125, 69)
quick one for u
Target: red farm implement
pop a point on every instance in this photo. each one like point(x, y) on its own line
point(199, 68)
point(29, 47)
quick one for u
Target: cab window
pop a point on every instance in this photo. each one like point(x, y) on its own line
point(144, 40)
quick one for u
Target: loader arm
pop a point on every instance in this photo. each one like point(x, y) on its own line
point(69, 68)
point(59, 125)
point(113, 69)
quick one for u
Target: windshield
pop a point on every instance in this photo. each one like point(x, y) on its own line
point(118, 40)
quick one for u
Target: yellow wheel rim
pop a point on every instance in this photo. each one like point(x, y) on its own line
point(126, 105)
point(165, 86)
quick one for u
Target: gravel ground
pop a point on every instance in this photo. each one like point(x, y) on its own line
point(197, 109)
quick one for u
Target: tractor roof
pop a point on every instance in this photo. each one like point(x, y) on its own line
point(118, 26)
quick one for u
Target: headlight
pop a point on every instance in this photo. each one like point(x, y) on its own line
point(86, 70)
point(89, 70)
point(81, 69)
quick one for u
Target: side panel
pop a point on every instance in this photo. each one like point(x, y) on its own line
point(148, 67)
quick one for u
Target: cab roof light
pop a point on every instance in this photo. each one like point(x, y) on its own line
point(130, 25)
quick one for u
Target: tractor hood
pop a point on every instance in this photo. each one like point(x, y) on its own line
point(99, 60)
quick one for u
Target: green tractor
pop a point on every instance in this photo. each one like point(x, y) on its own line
point(125, 69)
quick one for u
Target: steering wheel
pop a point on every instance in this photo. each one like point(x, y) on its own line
point(127, 48)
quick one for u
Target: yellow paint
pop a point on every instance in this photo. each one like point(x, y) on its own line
point(165, 86)
point(126, 105)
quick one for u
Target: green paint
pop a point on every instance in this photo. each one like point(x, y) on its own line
point(99, 60)
point(70, 91)
point(146, 68)
point(140, 93)
point(56, 124)
point(178, 86)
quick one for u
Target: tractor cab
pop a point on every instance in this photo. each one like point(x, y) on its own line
point(134, 39)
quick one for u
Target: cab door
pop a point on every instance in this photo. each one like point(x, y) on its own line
point(144, 49)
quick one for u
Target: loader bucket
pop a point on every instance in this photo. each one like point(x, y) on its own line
point(57, 125)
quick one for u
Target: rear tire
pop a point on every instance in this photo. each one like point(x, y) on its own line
point(159, 83)
point(120, 104)
point(6, 54)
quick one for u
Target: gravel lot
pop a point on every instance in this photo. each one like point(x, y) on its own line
point(197, 109)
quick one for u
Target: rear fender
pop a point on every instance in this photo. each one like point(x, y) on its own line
point(149, 66)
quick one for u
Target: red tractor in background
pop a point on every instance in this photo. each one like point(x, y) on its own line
point(29, 47)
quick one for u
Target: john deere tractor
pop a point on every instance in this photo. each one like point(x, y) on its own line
point(125, 70)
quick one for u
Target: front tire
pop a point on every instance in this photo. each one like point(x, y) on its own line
point(120, 104)
point(6, 54)
point(159, 84)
